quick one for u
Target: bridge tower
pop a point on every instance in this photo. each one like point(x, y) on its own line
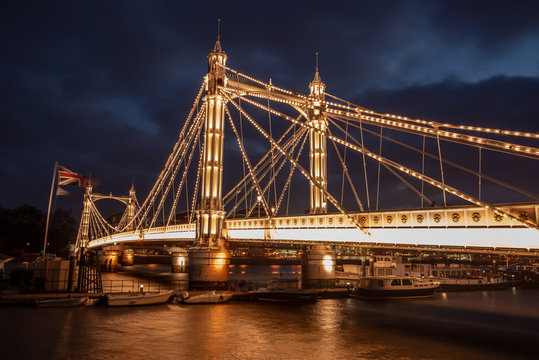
point(209, 258)
point(131, 208)
point(318, 262)
point(317, 150)
point(84, 235)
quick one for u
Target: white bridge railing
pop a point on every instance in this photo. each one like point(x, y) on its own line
point(449, 226)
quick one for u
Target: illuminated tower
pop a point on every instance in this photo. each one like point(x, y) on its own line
point(209, 258)
point(210, 213)
point(317, 153)
point(131, 207)
point(85, 218)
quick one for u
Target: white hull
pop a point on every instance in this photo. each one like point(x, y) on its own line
point(212, 297)
point(60, 302)
point(135, 299)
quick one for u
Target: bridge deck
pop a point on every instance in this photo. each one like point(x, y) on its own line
point(463, 226)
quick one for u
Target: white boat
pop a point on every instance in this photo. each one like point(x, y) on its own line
point(492, 282)
point(394, 287)
point(211, 297)
point(60, 302)
point(140, 298)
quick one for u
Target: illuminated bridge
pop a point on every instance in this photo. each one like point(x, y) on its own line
point(319, 151)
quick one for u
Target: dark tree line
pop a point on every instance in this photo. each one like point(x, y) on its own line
point(22, 231)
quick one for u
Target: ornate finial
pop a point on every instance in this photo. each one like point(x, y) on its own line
point(217, 47)
point(316, 74)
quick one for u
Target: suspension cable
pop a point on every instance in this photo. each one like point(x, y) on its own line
point(289, 179)
point(291, 143)
point(167, 164)
point(299, 167)
point(422, 196)
point(365, 168)
point(262, 160)
point(441, 166)
point(345, 172)
point(184, 176)
point(453, 164)
point(197, 181)
point(422, 169)
point(195, 128)
point(479, 177)
point(258, 189)
point(398, 167)
point(378, 179)
point(344, 168)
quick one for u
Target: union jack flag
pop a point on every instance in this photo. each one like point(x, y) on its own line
point(69, 177)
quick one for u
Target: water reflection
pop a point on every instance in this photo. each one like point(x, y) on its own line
point(333, 328)
point(491, 324)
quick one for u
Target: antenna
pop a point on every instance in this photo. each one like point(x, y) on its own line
point(218, 29)
point(316, 61)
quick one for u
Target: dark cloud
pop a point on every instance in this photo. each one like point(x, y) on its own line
point(104, 87)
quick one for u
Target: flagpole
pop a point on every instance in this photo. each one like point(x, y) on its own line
point(49, 209)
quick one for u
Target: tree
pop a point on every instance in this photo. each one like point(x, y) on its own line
point(22, 230)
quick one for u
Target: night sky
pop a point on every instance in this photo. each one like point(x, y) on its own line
point(103, 87)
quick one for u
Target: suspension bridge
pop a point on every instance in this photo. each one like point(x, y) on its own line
point(319, 151)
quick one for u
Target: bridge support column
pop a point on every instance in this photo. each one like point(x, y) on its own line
point(109, 260)
point(179, 261)
point(209, 258)
point(317, 141)
point(208, 268)
point(128, 257)
point(318, 268)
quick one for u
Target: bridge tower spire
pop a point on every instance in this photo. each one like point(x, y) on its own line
point(209, 258)
point(317, 140)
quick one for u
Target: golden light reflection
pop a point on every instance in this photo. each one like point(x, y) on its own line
point(327, 262)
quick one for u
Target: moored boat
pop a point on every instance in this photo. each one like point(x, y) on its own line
point(473, 283)
point(211, 297)
point(140, 298)
point(60, 302)
point(283, 290)
point(394, 287)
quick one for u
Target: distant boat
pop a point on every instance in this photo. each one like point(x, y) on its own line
point(211, 297)
point(473, 283)
point(60, 302)
point(140, 298)
point(283, 290)
point(393, 287)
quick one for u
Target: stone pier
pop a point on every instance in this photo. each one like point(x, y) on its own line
point(318, 268)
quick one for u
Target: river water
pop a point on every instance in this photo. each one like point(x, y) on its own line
point(500, 324)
